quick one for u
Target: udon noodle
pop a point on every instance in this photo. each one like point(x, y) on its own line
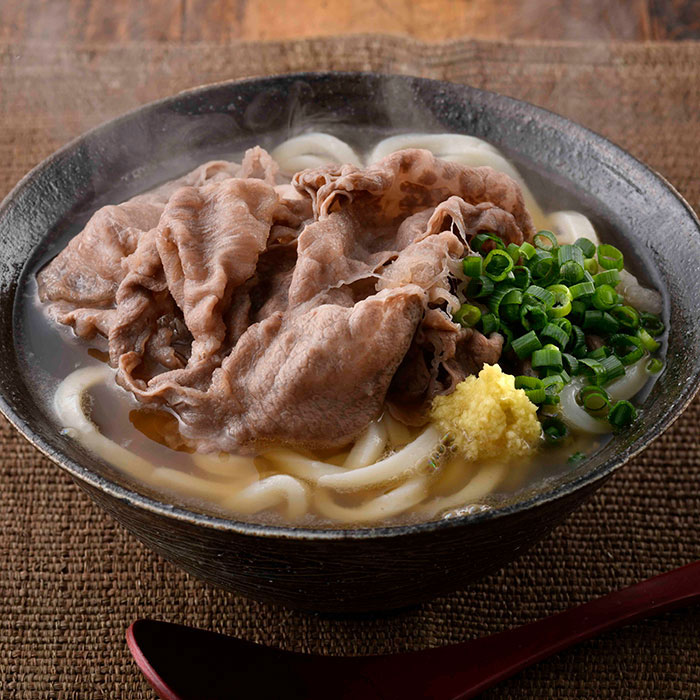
point(393, 472)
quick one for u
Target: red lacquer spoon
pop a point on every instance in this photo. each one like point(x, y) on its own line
point(184, 663)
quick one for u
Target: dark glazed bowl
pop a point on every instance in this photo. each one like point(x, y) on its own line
point(369, 569)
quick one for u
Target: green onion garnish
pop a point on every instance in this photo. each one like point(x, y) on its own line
point(600, 322)
point(548, 356)
point(497, 296)
point(627, 317)
point(587, 247)
point(555, 430)
point(610, 258)
point(525, 382)
point(570, 363)
point(527, 250)
point(599, 353)
point(622, 414)
point(521, 277)
point(647, 341)
point(507, 334)
point(652, 323)
point(611, 277)
point(545, 240)
point(537, 396)
point(628, 348)
point(489, 323)
point(590, 266)
point(539, 294)
point(571, 272)
point(604, 298)
point(497, 265)
point(514, 251)
point(484, 239)
point(555, 335)
point(472, 265)
point(533, 317)
point(562, 300)
point(479, 287)
point(594, 399)
point(541, 264)
point(467, 315)
point(655, 365)
point(613, 368)
point(593, 369)
point(582, 289)
point(526, 344)
point(576, 458)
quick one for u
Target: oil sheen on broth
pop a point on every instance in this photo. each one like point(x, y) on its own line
point(422, 488)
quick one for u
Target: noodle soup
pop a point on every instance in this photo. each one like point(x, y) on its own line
point(392, 459)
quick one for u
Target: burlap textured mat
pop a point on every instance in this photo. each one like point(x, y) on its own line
point(71, 580)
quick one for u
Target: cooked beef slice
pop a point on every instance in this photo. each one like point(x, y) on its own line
point(263, 312)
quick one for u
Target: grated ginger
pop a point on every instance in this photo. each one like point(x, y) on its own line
point(488, 417)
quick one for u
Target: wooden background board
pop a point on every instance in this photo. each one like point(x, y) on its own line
point(429, 20)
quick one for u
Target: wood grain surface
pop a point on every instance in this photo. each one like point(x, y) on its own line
point(117, 21)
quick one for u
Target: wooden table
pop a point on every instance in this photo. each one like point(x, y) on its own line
point(429, 20)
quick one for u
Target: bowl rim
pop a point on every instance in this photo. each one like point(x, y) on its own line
point(141, 501)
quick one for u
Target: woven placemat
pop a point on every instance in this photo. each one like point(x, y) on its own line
point(71, 580)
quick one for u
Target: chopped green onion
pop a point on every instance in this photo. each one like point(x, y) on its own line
point(610, 277)
point(525, 382)
point(526, 344)
point(604, 297)
point(541, 264)
point(489, 323)
point(598, 353)
point(551, 399)
point(622, 414)
point(628, 348)
point(576, 458)
point(548, 356)
point(533, 317)
point(483, 239)
point(613, 368)
point(514, 251)
point(509, 312)
point(494, 301)
point(521, 277)
point(652, 323)
point(553, 383)
point(527, 250)
point(537, 396)
point(582, 289)
point(479, 287)
point(507, 334)
point(600, 322)
point(610, 258)
point(539, 294)
point(555, 335)
point(594, 399)
point(497, 265)
point(627, 317)
point(577, 337)
point(571, 272)
point(467, 315)
point(647, 341)
point(655, 365)
point(472, 265)
point(545, 240)
point(513, 296)
point(593, 369)
point(570, 253)
point(562, 300)
point(555, 430)
point(564, 324)
point(587, 246)
point(578, 310)
point(590, 266)
point(570, 363)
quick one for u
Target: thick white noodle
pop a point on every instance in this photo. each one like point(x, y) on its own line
point(633, 381)
point(387, 505)
point(571, 225)
point(401, 464)
point(269, 493)
point(296, 464)
point(576, 417)
point(481, 484)
point(311, 151)
point(369, 447)
point(641, 298)
point(399, 434)
point(69, 402)
point(465, 150)
point(231, 466)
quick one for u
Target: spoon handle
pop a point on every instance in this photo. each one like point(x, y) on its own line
point(464, 671)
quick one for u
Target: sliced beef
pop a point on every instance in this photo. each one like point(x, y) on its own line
point(261, 312)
